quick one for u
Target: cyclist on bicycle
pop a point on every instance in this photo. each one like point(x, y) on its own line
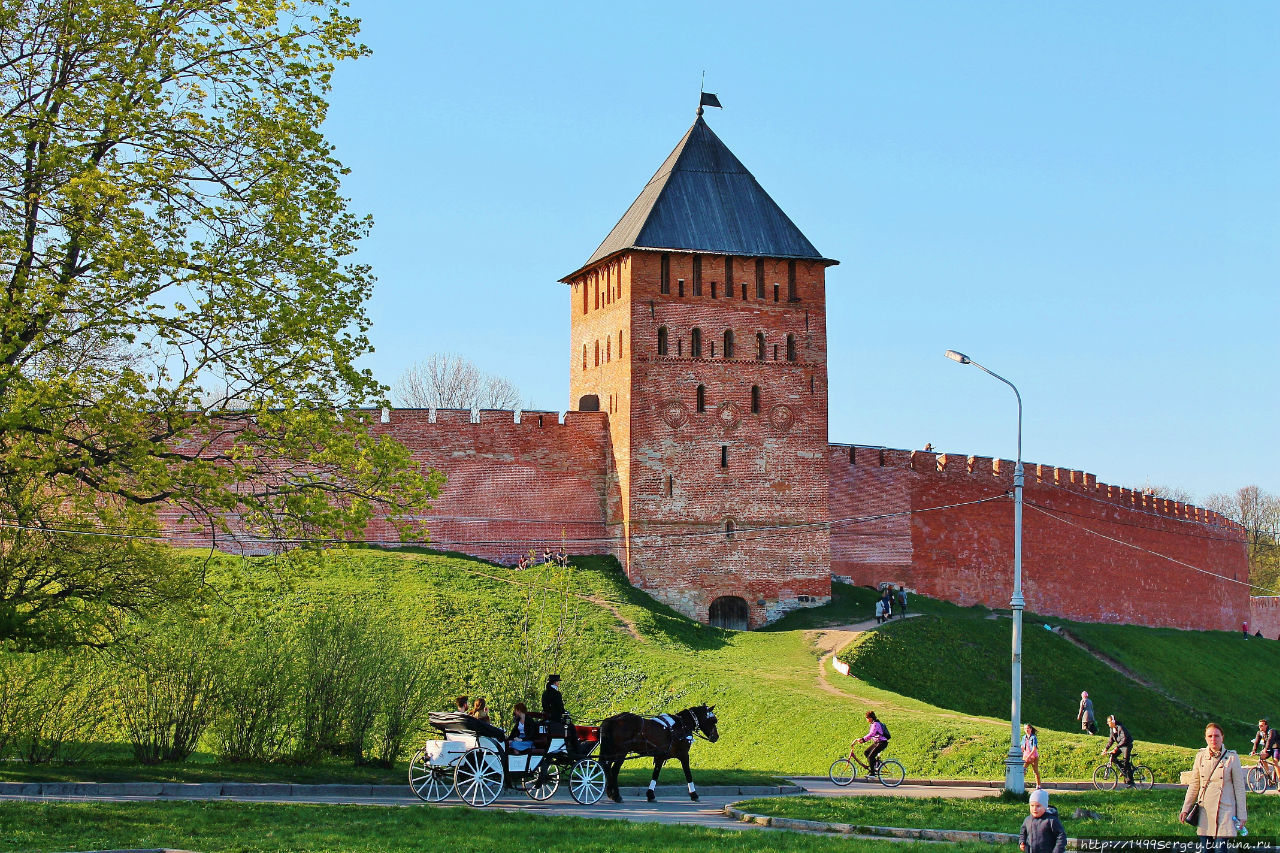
point(879, 737)
point(1120, 742)
point(1266, 745)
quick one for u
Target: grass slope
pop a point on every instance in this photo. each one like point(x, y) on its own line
point(941, 681)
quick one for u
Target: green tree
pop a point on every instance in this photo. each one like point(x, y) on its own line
point(181, 318)
point(1258, 512)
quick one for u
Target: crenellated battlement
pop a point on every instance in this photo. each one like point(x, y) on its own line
point(528, 418)
point(999, 473)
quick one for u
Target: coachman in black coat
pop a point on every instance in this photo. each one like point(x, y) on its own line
point(553, 707)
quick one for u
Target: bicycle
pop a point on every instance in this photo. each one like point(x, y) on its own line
point(1108, 774)
point(1258, 779)
point(843, 771)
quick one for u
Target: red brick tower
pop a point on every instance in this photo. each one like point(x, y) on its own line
point(699, 326)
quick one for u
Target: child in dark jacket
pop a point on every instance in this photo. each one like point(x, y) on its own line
point(1042, 832)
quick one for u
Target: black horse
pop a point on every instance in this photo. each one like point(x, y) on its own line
point(667, 736)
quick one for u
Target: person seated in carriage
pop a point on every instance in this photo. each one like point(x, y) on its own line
point(521, 737)
point(462, 702)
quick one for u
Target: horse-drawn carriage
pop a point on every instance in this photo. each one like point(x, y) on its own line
point(474, 761)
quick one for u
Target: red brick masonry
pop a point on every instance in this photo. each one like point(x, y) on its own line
point(1091, 551)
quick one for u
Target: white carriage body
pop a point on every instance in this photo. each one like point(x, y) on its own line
point(445, 753)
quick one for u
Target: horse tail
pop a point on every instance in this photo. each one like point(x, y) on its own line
point(606, 736)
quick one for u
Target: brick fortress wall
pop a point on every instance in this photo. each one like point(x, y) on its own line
point(1264, 615)
point(538, 483)
point(965, 554)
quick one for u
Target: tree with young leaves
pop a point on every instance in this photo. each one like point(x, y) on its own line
point(181, 318)
point(1258, 512)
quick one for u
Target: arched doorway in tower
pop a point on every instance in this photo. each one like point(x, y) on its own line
point(729, 611)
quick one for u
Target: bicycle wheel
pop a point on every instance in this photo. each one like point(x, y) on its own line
point(842, 772)
point(1143, 778)
point(1256, 780)
point(1104, 777)
point(891, 773)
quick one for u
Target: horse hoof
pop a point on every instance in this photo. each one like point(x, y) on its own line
point(694, 796)
point(650, 796)
point(617, 798)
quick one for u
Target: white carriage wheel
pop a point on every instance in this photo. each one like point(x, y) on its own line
point(586, 781)
point(478, 777)
point(547, 789)
point(428, 782)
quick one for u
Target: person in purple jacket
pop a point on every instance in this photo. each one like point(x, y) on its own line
point(879, 737)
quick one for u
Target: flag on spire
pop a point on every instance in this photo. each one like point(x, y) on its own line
point(709, 100)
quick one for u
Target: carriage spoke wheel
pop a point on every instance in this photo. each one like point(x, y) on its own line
point(1104, 777)
point(427, 782)
point(478, 777)
point(842, 772)
point(586, 781)
point(1143, 778)
point(550, 783)
point(891, 773)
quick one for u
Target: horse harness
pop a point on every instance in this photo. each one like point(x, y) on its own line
point(682, 726)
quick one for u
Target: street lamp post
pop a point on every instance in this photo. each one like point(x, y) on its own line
point(1014, 777)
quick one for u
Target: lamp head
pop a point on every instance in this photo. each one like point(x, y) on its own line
point(957, 356)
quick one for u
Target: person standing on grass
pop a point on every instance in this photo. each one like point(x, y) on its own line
point(902, 599)
point(887, 598)
point(879, 611)
point(1085, 714)
point(1217, 784)
point(1042, 831)
point(1031, 751)
point(879, 737)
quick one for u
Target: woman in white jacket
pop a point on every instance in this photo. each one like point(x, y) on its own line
point(1217, 782)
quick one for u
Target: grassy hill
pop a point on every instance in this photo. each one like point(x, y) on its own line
point(940, 680)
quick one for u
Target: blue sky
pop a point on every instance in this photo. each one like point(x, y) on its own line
point(1084, 197)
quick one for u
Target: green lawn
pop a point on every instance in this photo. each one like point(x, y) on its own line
point(252, 827)
point(1123, 812)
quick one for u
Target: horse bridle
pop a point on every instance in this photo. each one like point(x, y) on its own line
point(699, 723)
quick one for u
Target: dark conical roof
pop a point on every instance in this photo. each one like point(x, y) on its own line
point(702, 199)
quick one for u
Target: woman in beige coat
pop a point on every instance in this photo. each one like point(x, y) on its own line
point(1218, 785)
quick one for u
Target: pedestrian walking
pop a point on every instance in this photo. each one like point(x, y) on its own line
point(1085, 714)
point(879, 611)
point(1215, 799)
point(902, 599)
point(1031, 751)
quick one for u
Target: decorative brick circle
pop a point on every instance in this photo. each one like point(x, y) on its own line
point(782, 417)
point(729, 415)
point(673, 413)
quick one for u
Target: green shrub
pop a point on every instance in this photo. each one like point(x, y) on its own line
point(254, 720)
point(51, 706)
point(169, 680)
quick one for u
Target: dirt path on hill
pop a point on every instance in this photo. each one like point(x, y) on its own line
point(613, 608)
point(830, 640)
point(1111, 662)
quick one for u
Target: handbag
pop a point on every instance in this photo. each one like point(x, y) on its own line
point(1192, 814)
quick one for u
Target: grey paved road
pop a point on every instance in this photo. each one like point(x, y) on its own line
point(674, 807)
